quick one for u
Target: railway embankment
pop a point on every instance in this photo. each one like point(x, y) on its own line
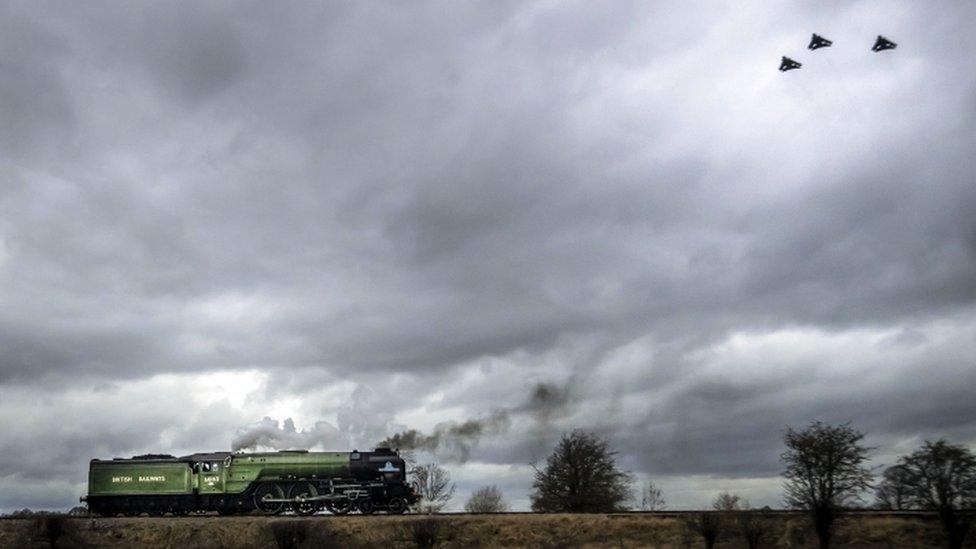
point(665, 530)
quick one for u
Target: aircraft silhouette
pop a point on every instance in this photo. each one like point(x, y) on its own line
point(788, 64)
point(817, 42)
point(882, 44)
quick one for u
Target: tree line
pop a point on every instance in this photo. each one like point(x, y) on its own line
point(825, 472)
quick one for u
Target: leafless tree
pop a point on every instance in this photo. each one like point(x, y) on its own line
point(581, 476)
point(729, 502)
point(825, 472)
point(486, 500)
point(708, 525)
point(940, 476)
point(79, 511)
point(753, 525)
point(651, 498)
point(892, 493)
point(409, 458)
point(435, 487)
point(50, 527)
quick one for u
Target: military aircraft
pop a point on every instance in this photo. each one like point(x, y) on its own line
point(788, 64)
point(882, 44)
point(817, 42)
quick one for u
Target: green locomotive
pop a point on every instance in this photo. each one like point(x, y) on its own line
point(230, 483)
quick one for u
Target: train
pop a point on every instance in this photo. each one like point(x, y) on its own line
point(267, 483)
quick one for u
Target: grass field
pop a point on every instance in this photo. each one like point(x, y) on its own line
point(504, 530)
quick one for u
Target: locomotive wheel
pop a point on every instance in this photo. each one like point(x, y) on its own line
point(396, 506)
point(366, 506)
point(269, 490)
point(341, 507)
point(304, 490)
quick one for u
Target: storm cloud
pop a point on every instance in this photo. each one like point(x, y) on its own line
point(372, 220)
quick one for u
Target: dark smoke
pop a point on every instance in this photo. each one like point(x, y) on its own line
point(454, 439)
point(450, 440)
point(547, 404)
point(546, 399)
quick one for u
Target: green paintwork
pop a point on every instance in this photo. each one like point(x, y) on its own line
point(232, 474)
point(246, 468)
point(127, 477)
point(212, 479)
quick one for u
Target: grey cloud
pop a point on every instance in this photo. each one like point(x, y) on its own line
point(403, 199)
point(35, 101)
point(203, 56)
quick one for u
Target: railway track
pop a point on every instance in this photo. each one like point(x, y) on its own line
point(661, 514)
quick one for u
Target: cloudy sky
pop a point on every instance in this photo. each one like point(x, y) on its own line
point(368, 217)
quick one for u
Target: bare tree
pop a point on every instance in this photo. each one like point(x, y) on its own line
point(651, 498)
point(753, 525)
point(435, 487)
point(892, 493)
point(729, 502)
point(409, 458)
point(486, 500)
point(79, 511)
point(581, 476)
point(940, 476)
point(50, 527)
point(825, 472)
point(707, 525)
point(734, 510)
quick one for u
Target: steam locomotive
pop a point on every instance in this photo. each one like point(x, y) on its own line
point(270, 483)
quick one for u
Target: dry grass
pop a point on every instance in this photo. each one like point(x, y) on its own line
point(616, 531)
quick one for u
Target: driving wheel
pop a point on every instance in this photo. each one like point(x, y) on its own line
point(300, 492)
point(269, 491)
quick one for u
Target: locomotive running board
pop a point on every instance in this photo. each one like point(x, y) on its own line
point(327, 497)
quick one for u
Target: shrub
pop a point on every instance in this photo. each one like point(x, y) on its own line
point(50, 528)
point(486, 500)
point(425, 533)
point(289, 534)
point(707, 525)
point(753, 526)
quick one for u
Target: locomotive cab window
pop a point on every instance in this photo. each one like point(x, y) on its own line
point(354, 456)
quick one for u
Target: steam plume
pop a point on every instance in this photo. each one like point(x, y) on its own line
point(545, 403)
point(268, 434)
point(362, 421)
point(456, 438)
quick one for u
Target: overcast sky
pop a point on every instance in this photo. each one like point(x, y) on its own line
point(369, 217)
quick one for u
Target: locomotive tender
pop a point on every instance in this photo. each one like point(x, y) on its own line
point(230, 483)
